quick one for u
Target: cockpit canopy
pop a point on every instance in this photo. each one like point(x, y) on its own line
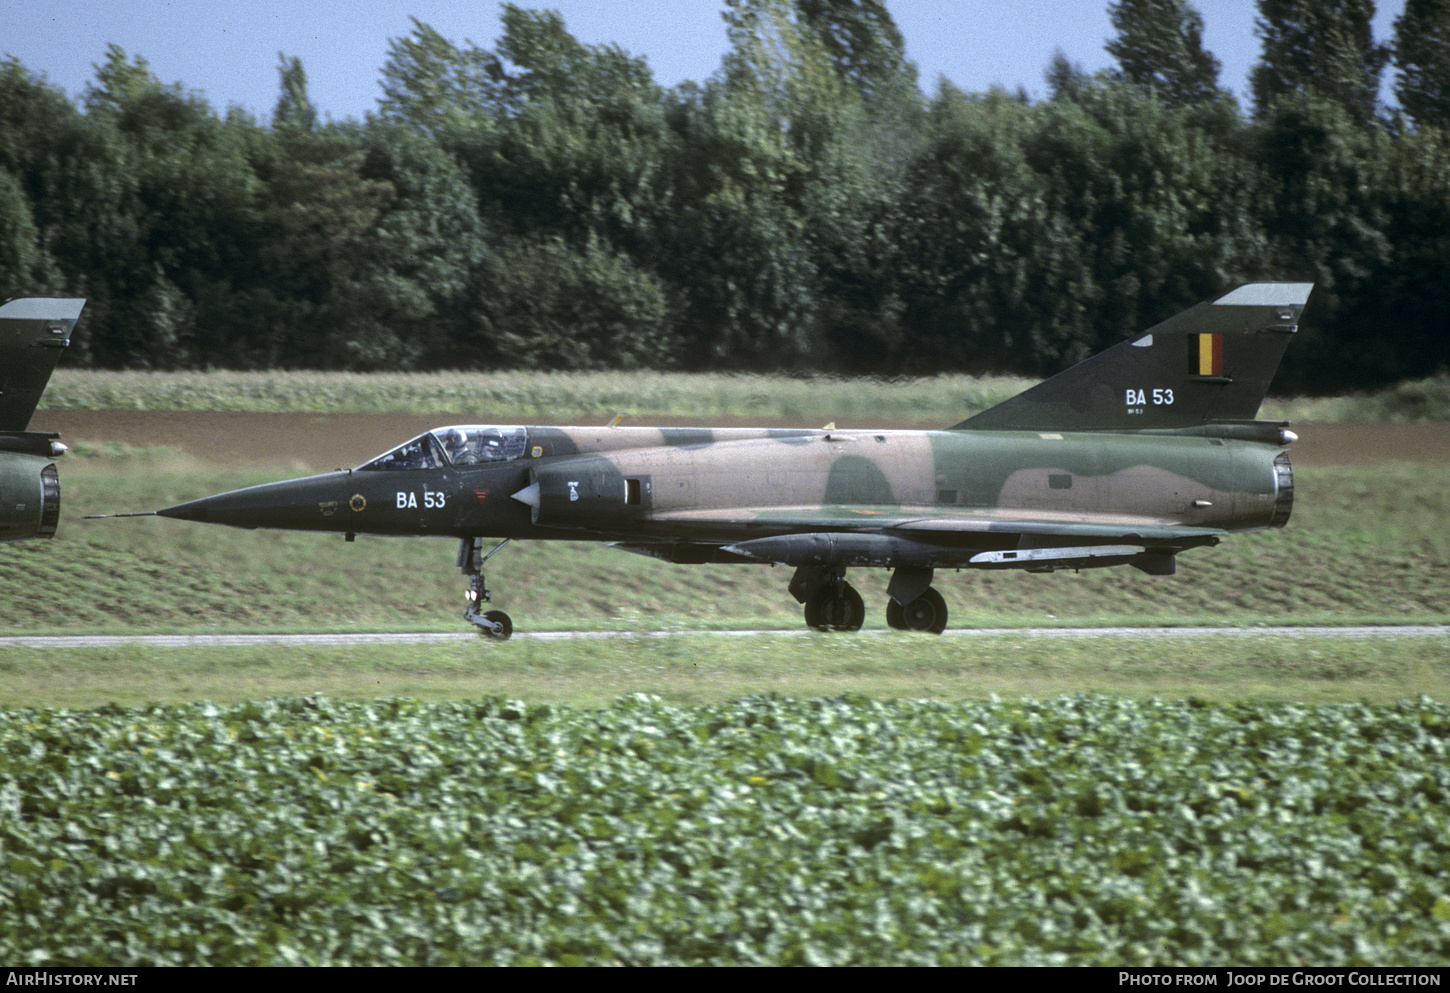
point(458, 445)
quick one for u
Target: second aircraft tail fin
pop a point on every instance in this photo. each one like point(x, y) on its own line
point(1212, 362)
point(33, 331)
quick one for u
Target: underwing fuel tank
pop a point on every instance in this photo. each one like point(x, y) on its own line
point(829, 549)
point(843, 549)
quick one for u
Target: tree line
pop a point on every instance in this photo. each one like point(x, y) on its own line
point(545, 204)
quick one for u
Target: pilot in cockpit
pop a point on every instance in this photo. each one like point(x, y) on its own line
point(490, 444)
point(455, 442)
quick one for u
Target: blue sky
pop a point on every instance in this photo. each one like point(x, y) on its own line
point(228, 50)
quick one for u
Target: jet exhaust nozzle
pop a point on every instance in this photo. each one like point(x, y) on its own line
point(32, 499)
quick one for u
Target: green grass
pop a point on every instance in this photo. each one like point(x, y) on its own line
point(1406, 402)
point(697, 669)
point(593, 397)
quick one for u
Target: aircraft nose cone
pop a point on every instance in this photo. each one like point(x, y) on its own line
point(292, 503)
point(193, 510)
point(212, 510)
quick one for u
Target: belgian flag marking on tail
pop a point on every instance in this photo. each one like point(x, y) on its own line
point(1205, 355)
point(1220, 356)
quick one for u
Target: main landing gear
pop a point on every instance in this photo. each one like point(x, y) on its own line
point(914, 605)
point(832, 604)
point(927, 612)
point(492, 623)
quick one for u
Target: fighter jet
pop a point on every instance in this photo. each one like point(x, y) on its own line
point(33, 331)
point(1142, 452)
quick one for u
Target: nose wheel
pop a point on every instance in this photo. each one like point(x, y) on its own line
point(493, 624)
point(831, 603)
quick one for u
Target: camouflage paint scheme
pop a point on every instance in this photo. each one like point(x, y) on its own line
point(33, 332)
point(1137, 454)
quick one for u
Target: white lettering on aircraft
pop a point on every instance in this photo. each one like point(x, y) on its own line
point(1137, 400)
point(409, 501)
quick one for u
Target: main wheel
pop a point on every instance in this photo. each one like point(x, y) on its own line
point(502, 627)
point(927, 612)
point(836, 607)
point(894, 616)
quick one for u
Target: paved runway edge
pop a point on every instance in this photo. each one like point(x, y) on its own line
point(427, 638)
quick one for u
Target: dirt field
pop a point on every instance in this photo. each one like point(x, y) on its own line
point(328, 441)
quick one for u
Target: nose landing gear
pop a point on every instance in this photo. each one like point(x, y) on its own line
point(491, 623)
point(831, 603)
point(836, 607)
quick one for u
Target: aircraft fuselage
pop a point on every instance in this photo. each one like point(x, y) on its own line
point(718, 486)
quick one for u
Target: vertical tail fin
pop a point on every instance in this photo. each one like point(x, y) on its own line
point(33, 331)
point(1212, 362)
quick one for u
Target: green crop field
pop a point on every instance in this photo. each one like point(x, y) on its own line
point(701, 668)
point(1083, 830)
